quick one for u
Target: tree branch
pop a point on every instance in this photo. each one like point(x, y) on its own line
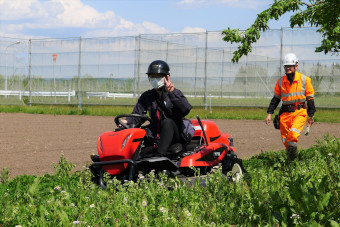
point(311, 5)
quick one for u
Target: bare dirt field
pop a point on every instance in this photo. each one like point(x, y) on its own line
point(30, 143)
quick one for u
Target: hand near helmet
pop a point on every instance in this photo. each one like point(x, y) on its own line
point(159, 75)
point(168, 85)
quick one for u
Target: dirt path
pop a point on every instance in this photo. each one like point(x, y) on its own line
point(30, 143)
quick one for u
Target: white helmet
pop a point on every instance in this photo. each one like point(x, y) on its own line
point(290, 59)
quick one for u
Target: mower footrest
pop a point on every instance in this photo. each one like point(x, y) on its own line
point(158, 163)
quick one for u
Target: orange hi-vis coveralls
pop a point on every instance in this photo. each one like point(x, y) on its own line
point(295, 95)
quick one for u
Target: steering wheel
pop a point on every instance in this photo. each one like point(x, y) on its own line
point(144, 118)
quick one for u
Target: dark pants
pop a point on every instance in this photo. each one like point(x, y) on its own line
point(169, 134)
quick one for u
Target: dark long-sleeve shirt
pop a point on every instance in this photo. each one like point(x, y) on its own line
point(273, 104)
point(172, 105)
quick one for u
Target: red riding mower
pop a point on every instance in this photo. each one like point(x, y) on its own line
point(122, 153)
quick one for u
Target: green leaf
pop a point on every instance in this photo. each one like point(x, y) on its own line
point(326, 198)
point(34, 187)
point(4, 176)
point(334, 223)
point(64, 218)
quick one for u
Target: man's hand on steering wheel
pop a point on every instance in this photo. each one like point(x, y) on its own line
point(123, 121)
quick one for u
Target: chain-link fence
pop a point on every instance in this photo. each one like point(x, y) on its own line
point(111, 71)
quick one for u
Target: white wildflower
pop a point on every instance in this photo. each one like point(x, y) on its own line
point(144, 203)
point(92, 206)
point(295, 216)
point(57, 188)
point(162, 209)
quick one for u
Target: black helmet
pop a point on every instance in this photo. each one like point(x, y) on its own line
point(160, 67)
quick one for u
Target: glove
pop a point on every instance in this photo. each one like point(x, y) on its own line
point(310, 122)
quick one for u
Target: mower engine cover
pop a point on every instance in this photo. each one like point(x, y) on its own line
point(119, 145)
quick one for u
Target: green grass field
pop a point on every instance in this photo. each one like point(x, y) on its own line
point(325, 101)
point(235, 113)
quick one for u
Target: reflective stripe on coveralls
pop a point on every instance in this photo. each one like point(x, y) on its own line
point(295, 130)
point(292, 123)
point(293, 97)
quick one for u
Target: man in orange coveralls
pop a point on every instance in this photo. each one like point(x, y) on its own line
point(293, 89)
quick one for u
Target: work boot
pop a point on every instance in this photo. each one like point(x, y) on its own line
point(292, 153)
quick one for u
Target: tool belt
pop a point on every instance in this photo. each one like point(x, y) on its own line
point(291, 108)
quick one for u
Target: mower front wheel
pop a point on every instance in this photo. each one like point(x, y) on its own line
point(236, 172)
point(232, 167)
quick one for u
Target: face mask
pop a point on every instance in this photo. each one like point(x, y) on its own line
point(156, 82)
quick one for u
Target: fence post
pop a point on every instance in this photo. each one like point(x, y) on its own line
point(167, 51)
point(205, 71)
point(29, 73)
point(222, 73)
point(69, 92)
point(195, 72)
point(246, 81)
point(79, 74)
point(281, 52)
point(137, 65)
